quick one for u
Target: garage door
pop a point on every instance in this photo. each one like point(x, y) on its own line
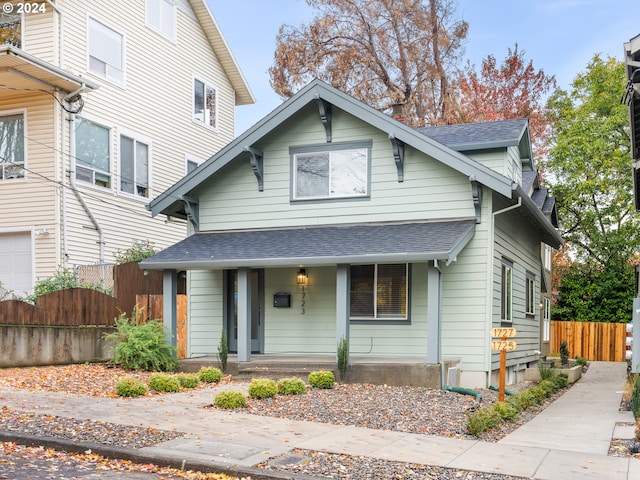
point(16, 262)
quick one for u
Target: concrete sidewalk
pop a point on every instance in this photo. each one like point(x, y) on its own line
point(568, 440)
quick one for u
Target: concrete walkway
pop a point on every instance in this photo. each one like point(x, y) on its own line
point(568, 440)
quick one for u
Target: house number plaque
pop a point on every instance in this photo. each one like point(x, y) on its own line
point(503, 345)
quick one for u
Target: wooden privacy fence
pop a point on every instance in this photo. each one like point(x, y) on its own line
point(71, 307)
point(150, 308)
point(596, 341)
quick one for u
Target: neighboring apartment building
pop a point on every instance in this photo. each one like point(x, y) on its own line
point(103, 105)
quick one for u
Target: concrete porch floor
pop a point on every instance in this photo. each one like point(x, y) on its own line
point(379, 370)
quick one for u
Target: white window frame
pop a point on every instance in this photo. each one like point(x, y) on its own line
point(506, 292)
point(530, 294)
point(107, 74)
point(142, 140)
point(330, 151)
point(190, 159)
point(156, 5)
point(92, 171)
point(547, 257)
point(546, 320)
point(206, 86)
point(3, 165)
point(376, 317)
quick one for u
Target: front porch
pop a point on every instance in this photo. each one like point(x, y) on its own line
point(377, 370)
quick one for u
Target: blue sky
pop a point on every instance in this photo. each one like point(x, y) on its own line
point(560, 36)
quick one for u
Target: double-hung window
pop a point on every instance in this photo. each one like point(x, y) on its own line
point(161, 17)
point(506, 294)
point(205, 99)
point(134, 166)
point(93, 153)
point(11, 146)
point(379, 292)
point(339, 171)
point(106, 51)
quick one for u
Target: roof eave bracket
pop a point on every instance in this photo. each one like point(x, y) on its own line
point(191, 208)
point(256, 158)
point(476, 192)
point(398, 155)
point(324, 109)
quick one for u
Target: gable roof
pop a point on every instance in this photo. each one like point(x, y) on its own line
point(169, 202)
point(465, 137)
point(244, 96)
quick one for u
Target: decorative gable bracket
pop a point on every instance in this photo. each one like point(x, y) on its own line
point(398, 155)
point(324, 109)
point(191, 208)
point(257, 164)
point(476, 192)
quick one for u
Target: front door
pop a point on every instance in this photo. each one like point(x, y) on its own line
point(257, 307)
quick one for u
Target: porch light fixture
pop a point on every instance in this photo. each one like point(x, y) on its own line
point(301, 277)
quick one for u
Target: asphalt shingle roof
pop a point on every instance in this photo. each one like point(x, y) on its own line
point(320, 245)
point(467, 135)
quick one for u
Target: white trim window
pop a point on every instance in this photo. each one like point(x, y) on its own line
point(530, 294)
point(379, 292)
point(135, 163)
point(506, 293)
point(161, 17)
point(106, 51)
point(331, 174)
point(547, 257)
point(205, 104)
point(190, 164)
point(93, 153)
point(546, 315)
point(12, 148)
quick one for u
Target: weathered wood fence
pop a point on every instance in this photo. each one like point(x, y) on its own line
point(591, 340)
point(150, 307)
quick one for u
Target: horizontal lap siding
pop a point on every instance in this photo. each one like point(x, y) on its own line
point(206, 307)
point(156, 104)
point(430, 190)
point(519, 244)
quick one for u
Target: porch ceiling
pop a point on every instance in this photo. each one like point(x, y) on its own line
point(317, 245)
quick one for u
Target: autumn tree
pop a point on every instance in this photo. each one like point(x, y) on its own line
point(513, 89)
point(589, 174)
point(383, 52)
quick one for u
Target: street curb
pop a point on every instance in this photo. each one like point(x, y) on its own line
point(138, 456)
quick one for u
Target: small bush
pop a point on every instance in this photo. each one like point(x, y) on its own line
point(130, 387)
point(161, 382)
point(291, 386)
point(223, 351)
point(482, 420)
point(564, 353)
point(188, 380)
point(322, 379)
point(142, 347)
point(230, 399)
point(561, 380)
point(262, 388)
point(505, 411)
point(581, 361)
point(343, 357)
point(209, 374)
point(547, 372)
point(549, 387)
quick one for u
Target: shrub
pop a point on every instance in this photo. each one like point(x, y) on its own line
point(130, 387)
point(262, 388)
point(343, 357)
point(547, 372)
point(322, 379)
point(136, 252)
point(62, 279)
point(564, 353)
point(561, 380)
point(482, 420)
point(549, 387)
point(230, 399)
point(581, 361)
point(634, 401)
point(291, 386)
point(161, 382)
point(209, 375)
point(505, 411)
point(188, 380)
point(142, 347)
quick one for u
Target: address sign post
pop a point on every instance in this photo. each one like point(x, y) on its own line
point(503, 345)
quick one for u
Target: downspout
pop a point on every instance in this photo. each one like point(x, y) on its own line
point(514, 187)
point(72, 177)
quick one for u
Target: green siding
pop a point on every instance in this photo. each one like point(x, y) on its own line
point(205, 320)
point(430, 189)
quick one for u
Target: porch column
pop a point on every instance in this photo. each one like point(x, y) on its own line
point(342, 303)
point(434, 313)
point(169, 292)
point(244, 314)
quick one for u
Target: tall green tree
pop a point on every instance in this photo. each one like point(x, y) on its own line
point(588, 169)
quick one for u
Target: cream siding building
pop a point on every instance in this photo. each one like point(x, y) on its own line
point(102, 105)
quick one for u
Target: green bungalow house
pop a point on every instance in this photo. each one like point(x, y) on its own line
point(329, 219)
